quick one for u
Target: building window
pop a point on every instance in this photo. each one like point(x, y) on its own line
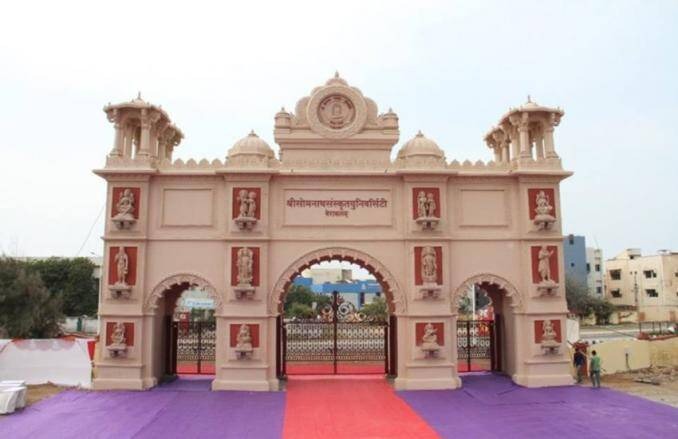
point(571, 264)
point(598, 267)
point(599, 290)
point(651, 293)
point(571, 239)
point(615, 293)
point(649, 274)
point(588, 267)
point(615, 274)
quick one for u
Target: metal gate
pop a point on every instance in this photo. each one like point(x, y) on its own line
point(340, 340)
point(191, 347)
point(478, 346)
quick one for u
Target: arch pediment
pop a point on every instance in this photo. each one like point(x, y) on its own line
point(193, 280)
point(516, 299)
point(394, 293)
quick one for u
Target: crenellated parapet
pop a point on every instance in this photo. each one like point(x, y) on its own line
point(144, 134)
point(524, 136)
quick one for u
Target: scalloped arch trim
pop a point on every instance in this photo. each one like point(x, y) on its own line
point(193, 280)
point(485, 278)
point(392, 290)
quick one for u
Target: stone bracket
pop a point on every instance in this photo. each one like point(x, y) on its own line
point(245, 223)
point(430, 291)
point(124, 222)
point(120, 291)
point(427, 223)
point(244, 292)
point(117, 350)
point(547, 288)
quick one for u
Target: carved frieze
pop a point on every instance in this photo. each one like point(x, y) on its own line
point(428, 268)
point(542, 208)
point(548, 335)
point(125, 207)
point(119, 338)
point(244, 339)
point(430, 337)
point(426, 207)
point(246, 207)
point(244, 271)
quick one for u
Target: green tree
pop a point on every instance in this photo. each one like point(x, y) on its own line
point(300, 311)
point(377, 309)
point(300, 294)
point(27, 308)
point(73, 280)
point(579, 301)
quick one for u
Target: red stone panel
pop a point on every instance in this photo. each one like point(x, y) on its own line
point(129, 333)
point(532, 197)
point(553, 262)
point(235, 205)
point(539, 330)
point(440, 328)
point(116, 196)
point(132, 266)
point(254, 330)
point(255, 266)
point(436, 196)
point(417, 265)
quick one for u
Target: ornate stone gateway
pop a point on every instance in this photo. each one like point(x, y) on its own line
point(240, 227)
point(341, 340)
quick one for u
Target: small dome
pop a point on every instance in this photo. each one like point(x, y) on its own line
point(420, 146)
point(251, 145)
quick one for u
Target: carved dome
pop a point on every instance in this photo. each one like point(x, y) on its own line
point(251, 145)
point(421, 146)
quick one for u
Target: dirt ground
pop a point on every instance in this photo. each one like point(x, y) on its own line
point(42, 391)
point(660, 384)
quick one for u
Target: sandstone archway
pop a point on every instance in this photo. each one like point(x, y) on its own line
point(192, 280)
point(511, 292)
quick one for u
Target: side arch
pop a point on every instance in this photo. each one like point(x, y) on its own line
point(486, 278)
point(193, 281)
point(394, 294)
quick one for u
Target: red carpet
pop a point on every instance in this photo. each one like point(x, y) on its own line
point(463, 367)
point(328, 368)
point(188, 368)
point(349, 408)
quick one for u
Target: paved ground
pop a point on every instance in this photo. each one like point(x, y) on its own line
point(486, 407)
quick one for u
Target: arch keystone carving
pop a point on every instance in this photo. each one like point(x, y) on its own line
point(392, 291)
point(516, 299)
point(193, 280)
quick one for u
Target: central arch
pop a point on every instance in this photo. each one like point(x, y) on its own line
point(394, 294)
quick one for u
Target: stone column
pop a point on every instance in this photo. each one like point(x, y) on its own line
point(549, 149)
point(524, 133)
point(505, 152)
point(540, 146)
point(118, 142)
point(145, 145)
point(497, 154)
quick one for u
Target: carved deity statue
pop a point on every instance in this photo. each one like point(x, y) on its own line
point(125, 205)
point(243, 199)
point(430, 205)
point(122, 266)
point(549, 334)
point(544, 266)
point(245, 264)
point(118, 335)
point(244, 339)
point(543, 205)
point(252, 205)
point(429, 265)
point(421, 204)
point(429, 341)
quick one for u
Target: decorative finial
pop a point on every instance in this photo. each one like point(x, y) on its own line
point(420, 134)
point(336, 74)
point(139, 95)
point(253, 134)
point(390, 110)
point(282, 109)
point(529, 99)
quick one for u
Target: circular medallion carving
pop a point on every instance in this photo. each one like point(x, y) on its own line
point(336, 111)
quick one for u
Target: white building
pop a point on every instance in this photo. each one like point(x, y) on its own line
point(595, 271)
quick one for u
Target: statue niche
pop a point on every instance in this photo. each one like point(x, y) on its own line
point(428, 269)
point(429, 341)
point(244, 264)
point(121, 289)
point(549, 339)
point(125, 207)
point(546, 286)
point(118, 346)
point(426, 208)
point(543, 218)
point(246, 208)
point(243, 347)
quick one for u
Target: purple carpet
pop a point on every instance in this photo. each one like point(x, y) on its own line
point(493, 407)
point(177, 410)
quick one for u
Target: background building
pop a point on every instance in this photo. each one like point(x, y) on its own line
point(595, 271)
point(574, 252)
point(645, 284)
point(329, 280)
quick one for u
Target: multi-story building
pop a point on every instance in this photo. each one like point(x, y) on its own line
point(647, 285)
point(594, 271)
point(574, 252)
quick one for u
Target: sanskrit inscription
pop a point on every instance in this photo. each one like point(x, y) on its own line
point(337, 207)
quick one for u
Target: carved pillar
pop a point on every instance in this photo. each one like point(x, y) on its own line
point(497, 153)
point(505, 152)
point(540, 146)
point(524, 134)
point(549, 149)
point(118, 143)
point(145, 146)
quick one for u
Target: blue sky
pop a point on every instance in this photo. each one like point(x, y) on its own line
point(448, 68)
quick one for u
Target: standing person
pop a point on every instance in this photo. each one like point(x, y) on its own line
point(595, 369)
point(579, 362)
